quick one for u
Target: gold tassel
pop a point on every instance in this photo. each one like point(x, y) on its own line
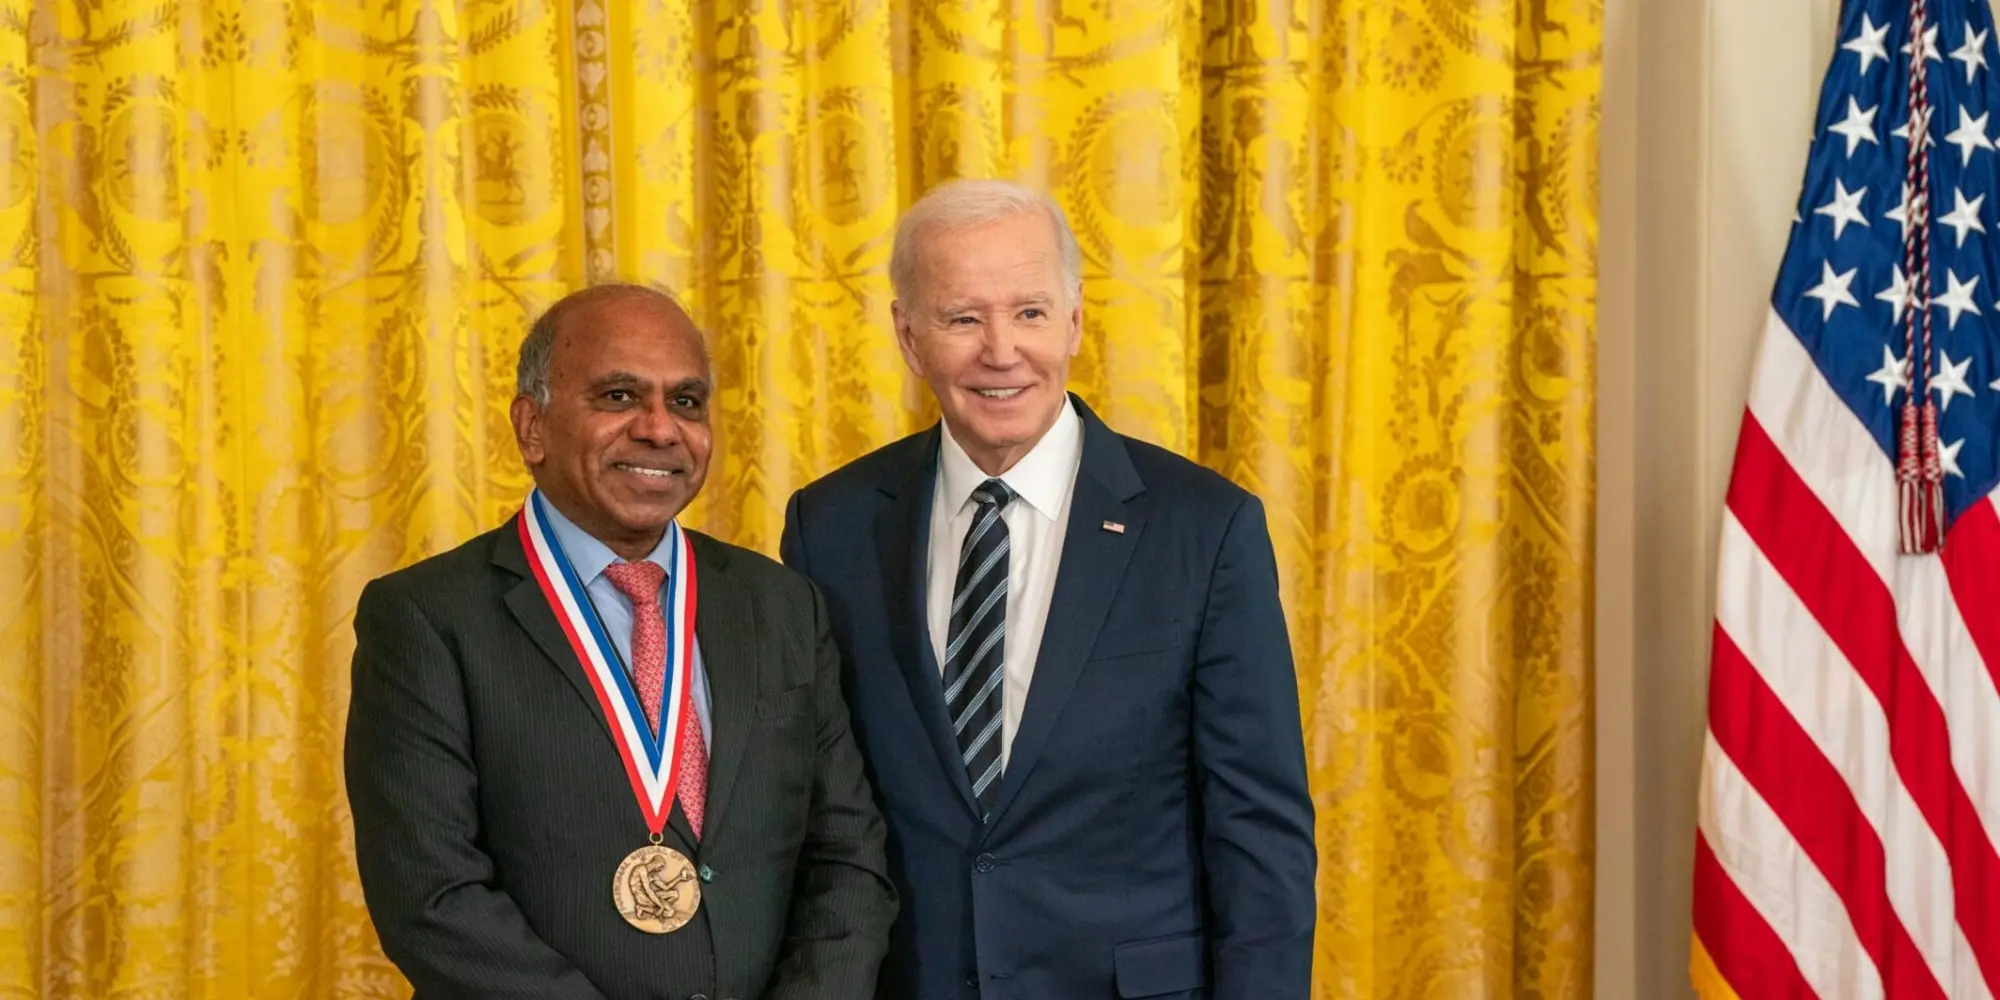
point(1708, 981)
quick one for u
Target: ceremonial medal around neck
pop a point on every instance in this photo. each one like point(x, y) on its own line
point(656, 889)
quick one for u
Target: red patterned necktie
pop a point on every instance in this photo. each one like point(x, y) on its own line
point(640, 581)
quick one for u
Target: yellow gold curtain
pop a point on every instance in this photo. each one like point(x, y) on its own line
point(264, 265)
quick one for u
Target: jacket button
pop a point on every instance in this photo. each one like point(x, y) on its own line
point(699, 996)
point(707, 875)
point(971, 982)
point(983, 863)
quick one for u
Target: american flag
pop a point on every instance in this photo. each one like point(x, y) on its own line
point(1850, 791)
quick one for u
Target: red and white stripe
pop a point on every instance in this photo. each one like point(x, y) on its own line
point(1850, 799)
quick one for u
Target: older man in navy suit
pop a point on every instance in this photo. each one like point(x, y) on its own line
point(1065, 658)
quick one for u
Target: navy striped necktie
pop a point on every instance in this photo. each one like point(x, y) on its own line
point(972, 659)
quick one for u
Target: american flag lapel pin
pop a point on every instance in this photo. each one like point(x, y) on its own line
point(1114, 527)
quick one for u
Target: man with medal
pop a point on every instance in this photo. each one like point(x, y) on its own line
point(593, 755)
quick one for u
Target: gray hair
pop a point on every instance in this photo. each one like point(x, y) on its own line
point(965, 203)
point(531, 374)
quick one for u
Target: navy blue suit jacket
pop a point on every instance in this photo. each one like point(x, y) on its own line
point(1153, 835)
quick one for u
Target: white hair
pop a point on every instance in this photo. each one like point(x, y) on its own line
point(963, 204)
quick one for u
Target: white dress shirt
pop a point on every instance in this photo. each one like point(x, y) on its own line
point(1037, 519)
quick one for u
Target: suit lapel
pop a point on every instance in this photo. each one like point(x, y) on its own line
point(902, 539)
point(531, 610)
point(1087, 578)
point(726, 628)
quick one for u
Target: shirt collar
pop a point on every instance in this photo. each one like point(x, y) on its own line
point(587, 555)
point(1042, 478)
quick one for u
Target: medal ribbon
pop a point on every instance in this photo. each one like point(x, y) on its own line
point(650, 759)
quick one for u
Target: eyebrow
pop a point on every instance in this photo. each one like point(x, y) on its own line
point(614, 380)
point(622, 379)
point(962, 305)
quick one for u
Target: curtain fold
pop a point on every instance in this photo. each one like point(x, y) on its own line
point(265, 265)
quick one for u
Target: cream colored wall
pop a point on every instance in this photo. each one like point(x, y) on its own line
point(1708, 112)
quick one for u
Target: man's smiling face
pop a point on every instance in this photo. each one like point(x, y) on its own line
point(623, 442)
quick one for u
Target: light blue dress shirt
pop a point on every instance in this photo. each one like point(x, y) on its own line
point(589, 557)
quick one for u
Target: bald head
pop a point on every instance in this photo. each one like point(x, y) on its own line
point(531, 374)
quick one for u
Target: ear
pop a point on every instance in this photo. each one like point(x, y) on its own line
point(906, 338)
point(527, 419)
point(1076, 321)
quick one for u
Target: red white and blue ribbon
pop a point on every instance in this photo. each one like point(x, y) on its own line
point(649, 758)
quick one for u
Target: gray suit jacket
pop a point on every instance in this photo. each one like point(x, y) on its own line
point(491, 806)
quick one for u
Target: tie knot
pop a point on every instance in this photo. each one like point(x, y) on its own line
point(639, 581)
point(992, 493)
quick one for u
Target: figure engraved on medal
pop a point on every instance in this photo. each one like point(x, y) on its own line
point(655, 889)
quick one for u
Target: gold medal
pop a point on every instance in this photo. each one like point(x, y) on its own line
point(656, 889)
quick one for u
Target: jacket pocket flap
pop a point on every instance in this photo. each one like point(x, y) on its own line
point(1161, 965)
point(1150, 638)
point(784, 703)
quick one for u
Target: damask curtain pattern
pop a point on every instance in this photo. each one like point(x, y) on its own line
point(264, 265)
